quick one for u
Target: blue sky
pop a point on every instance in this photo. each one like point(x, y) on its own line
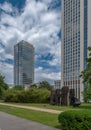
point(39, 23)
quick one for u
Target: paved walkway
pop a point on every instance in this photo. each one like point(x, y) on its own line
point(9, 122)
point(33, 108)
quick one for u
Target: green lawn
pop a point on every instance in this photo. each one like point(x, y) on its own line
point(41, 117)
point(37, 116)
point(61, 108)
point(47, 106)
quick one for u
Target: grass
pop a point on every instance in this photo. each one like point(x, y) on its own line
point(47, 106)
point(54, 107)
point(41, 117)
point(37, 116)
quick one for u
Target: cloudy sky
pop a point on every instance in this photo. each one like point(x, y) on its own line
point(39, 23)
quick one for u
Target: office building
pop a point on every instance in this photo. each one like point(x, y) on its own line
point(57, 84)
point(76, 37)
point(23, 64)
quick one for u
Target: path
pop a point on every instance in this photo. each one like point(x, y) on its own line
point(9, 122)
point(33, 108)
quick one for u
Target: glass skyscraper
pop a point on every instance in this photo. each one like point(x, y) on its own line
point(23, 63)
point(76, 37)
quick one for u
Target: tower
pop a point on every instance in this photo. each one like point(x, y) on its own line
point(23, 63)
point(76, 37)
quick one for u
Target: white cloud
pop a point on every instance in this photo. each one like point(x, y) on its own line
point(35, 24)
point(49, 17)
point(7, 70)
point(46, 75)
point(7, 7)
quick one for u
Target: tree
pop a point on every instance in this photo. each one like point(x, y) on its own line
point(18, 87)
point(3, 85)
point(45, 84)
point(87, 94)
point(33, 86)
point(86, 76)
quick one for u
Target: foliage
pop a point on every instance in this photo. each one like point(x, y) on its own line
point(86, 76)
point(87, 94)
point(75, 120)
point(33, 86)
point(3, 85)
point(40, 95)
point(45, 84)
point(1, 93)
point(32, 95)
point(10, 95)
point(18, 87)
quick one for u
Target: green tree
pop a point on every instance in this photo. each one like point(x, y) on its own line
point(18, 87)
point(87, 94)
point(33, 86)
point(86, 76)
point(45, 84)
point(3, 85)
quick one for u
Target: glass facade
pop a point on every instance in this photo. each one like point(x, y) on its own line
point(23, 63)
point(85, 30)
point(57, 84)
point(72, 43)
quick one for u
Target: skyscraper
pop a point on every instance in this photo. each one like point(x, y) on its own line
point(76, 37)
point(23, 63)
point(57, 84)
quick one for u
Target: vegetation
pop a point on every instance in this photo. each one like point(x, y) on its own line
point(49, 106)
point(33, 86)
point(32, 95)
point(86, 76)
point(42, 84)
point(75, 120)
point(46, 118)
point(18, 87)
point(45, 84)
point(41, 117)
point(3, 86)
point(87, 94)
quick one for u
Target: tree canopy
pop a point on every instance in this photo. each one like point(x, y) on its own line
point(18, 87)
point(86, 76)
point(2, 82)
point(45, 84)
point(3, 85)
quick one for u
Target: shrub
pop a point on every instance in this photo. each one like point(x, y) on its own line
point(1, 93)
point(18, 87)
point(32, 95)
point(38, 95)
point(75, 120)
point(11, 95)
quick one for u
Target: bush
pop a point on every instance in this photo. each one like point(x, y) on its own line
point(39, 95)
point(75, 120)
point(11, 95)
point(2, 91)
point(32, 95)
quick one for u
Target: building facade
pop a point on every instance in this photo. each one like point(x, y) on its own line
point(76, 37)
point(57, 84)
point(23, 64)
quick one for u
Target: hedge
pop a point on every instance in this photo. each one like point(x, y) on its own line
point(75, 120)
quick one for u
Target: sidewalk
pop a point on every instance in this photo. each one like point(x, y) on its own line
point(10, 122)
point(33, 108)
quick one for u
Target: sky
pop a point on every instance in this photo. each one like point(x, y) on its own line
point(39, 23)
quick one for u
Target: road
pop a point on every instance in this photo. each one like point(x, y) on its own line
point(9, 122)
